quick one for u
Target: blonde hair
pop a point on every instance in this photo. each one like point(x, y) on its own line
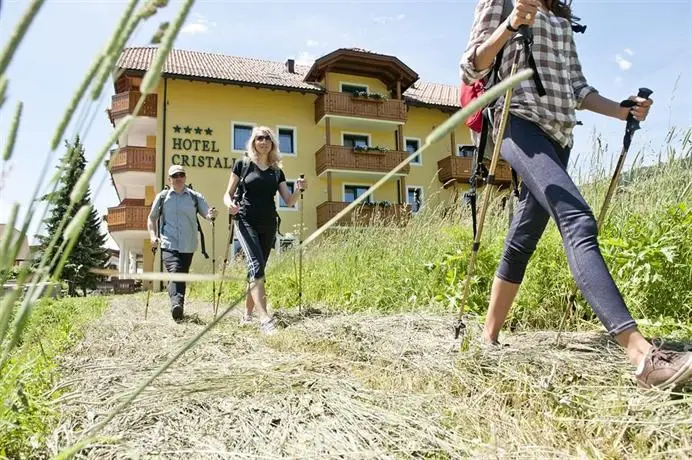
point(274, 157)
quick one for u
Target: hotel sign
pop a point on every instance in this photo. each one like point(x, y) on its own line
point(191, 144)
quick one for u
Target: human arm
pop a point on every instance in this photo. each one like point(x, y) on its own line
point(288, 197)
point(588, 98)
point(233, 181)
point(203, 208)
point(489, 34)
point(151, 220)
point(596, 103)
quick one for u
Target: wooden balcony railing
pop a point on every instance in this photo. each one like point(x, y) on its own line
point(133, 159)
point(125, 103)
point(455, 168)
point(127, 217)
point(345, 104)
point(340, 157)
point(364, 214)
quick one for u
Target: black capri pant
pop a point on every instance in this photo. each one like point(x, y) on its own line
point(257, 241)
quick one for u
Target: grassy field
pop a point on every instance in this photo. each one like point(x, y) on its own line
point(646, 241)
point(375, 372)
point(354, 386)
point(31, 381)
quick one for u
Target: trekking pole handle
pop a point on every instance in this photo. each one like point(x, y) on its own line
point(526, 33)
point(632, 123)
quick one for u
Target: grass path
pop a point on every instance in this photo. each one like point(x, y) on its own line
point(358, 386)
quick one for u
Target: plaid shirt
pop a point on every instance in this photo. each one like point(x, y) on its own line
point(556, 60)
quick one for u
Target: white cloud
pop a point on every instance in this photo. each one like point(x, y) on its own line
point(305, 58)
point(312, 43)
point(629, 51)
point(194, 29)
point(387, 19)
point(199, 25)
point(623, 63)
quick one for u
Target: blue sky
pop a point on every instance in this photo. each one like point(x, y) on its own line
point(618, 53)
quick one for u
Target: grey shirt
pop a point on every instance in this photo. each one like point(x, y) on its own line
point(179, 225)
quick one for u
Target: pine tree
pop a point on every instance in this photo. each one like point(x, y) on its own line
point(89, 251)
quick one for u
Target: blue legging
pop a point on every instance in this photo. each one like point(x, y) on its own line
point(548, 191)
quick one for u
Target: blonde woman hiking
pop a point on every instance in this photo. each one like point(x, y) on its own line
point(250, 198)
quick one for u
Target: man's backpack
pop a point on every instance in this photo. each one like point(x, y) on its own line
point(166, 189)
point(238, 195)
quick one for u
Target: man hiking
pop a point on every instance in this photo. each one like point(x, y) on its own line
point(177, 207)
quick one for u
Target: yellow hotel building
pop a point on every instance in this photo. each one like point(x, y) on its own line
point(344, 122)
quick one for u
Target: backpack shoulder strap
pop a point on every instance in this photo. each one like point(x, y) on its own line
point(199, 227)
point(246, 169)
point(246, 162)
point(507, 8)
point(163, 194)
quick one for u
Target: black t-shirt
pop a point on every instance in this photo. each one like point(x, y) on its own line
point(257, 204)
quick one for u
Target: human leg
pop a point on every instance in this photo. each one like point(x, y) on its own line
point(542, 167)
point(250, 238)
point(176, 262)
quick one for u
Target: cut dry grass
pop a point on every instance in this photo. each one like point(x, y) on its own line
point(358, 386)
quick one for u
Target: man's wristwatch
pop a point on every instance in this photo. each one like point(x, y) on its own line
point(510, 28)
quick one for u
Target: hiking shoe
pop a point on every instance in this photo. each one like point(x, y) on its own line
point(177, 313)
point(246, 319)
point(664, 368)
point(268, 326)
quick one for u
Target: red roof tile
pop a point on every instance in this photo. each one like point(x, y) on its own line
point(236, 69)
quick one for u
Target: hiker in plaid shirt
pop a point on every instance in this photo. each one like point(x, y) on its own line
point(537, 145)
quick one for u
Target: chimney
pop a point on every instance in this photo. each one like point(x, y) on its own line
point(291, 66)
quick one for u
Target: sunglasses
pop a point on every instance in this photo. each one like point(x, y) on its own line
point(177, 175)
point(262, 137)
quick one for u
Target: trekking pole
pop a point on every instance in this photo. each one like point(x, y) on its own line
point(225, 261)
point(146, 308)
point(631, 126)
point(300, 253)
point(213, 264)
point(525, 33)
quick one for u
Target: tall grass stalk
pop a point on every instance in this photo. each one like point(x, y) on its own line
point(50, 268)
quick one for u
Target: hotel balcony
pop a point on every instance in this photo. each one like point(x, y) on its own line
point(346, 159)
point(364, 214)
point(125, 103)
point(356, 112)
point(133, 159)
point(132, 170)
point(459, 169)
point(129, 216)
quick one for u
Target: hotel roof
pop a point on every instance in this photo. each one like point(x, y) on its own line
point(220, 68)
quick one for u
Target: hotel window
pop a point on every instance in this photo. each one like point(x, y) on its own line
point(414, 197)
point(411, 146)
point(282, 204)
point(465, 151)
point(287, 141)
point(351, 192)
point(355, 140)
point(241, 134)
point(353, 89)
